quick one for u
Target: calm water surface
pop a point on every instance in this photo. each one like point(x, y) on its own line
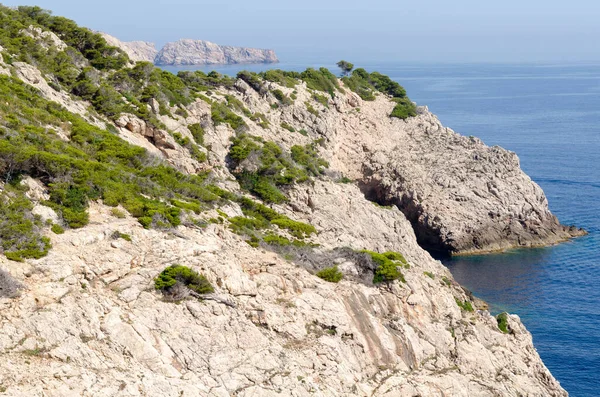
point(550, 116)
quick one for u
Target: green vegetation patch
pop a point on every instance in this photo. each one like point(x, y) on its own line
point(283, 99)
point(272, 167)
point(365, 85)
point(220, 113)
point(281, 77)
point(321, 80)
point(176, 276)
point(466, 305)
point(94, 164)
point(331, 274)
point(388, 266)
point(502, 319)
point(20, 230)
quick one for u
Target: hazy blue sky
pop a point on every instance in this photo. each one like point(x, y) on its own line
point(377, 30)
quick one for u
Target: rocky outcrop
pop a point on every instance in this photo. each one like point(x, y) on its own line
point(89, 323)
point(460, 195)
point(200, 52)
point(136, 50)
point(86, 320)
point(191, 52)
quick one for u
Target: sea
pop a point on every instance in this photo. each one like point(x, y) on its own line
point(549, 114)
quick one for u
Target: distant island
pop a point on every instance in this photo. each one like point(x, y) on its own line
point(191, 52)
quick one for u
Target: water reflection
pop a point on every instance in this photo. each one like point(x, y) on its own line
point(514, 276)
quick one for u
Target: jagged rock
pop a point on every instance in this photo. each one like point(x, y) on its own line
point(46, 38)
point(191, 52)
point(96, 327)
point(200, 52)
point(136, 50)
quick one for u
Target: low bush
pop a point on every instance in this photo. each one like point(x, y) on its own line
point(388, 264)
point(321, 80)
point(220, 114)
point(502, 320)
point(331, 274)
point(281, 77)
point(288, 127)
point(466, 305)
point(57, 229)
point(295, 228)
point(272, 168)
point(176, 281)
point(20, 230)
point(281, 97)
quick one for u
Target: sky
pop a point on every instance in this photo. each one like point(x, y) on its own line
point(360, 31)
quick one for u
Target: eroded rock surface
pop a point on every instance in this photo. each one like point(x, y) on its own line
point(136, 50)
point(191, 52)
point(86, 320)
point(200, 52)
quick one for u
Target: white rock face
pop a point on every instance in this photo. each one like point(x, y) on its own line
point(136, 50)
point(191, 52)
point(200, 52)
point(89, 322)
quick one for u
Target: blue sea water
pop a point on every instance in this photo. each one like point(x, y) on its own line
point(549, 114)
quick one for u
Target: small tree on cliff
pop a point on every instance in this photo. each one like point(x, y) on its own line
point(346, 67)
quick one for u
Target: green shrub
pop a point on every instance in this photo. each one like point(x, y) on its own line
point(321, 80)
point(284, 78)
point(322, 99)
point(388, 264)
point(404, 109)
point(308, 157)
point(236, 104)
point(466, 305)
point(295, 228)
point(282, 98)
point(57, 229)
point(220, 113)
point(197, 133)
point(365, 84)
point(260, 119)
point(20, 230)
point(117, 235)
point(311, 109)
point(331, 274)
point(175, 275)
point(430, 275)
point(252, 79)
point(274, 167)
point(288, 127)
point(502, 320)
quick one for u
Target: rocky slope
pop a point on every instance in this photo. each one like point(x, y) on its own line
point(136, 50)
point(191, 52)
point(88, 322)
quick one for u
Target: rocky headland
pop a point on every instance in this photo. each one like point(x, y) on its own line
point(191, 52)
point(259, 183)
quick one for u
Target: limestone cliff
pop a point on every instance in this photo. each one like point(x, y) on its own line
point(192, 52)
point(136, 50)
point(88, 321)
point(200, 52)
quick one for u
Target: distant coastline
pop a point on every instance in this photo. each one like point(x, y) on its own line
point(188, 52)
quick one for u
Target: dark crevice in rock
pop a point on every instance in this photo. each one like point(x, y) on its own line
point(428, 237)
